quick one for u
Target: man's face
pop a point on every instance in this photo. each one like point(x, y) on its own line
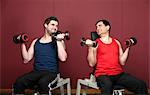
point(52, 27)
point(101, 28)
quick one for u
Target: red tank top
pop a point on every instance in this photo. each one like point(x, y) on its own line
point(107, 59)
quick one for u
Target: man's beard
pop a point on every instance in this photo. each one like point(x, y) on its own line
point(51, 32)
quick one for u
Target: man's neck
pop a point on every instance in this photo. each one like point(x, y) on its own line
point(106, 38)
point(46, 38)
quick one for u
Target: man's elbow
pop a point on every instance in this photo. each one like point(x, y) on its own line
point(122, 63)
point(25, 61)
point(91, 64)
point(63, 58)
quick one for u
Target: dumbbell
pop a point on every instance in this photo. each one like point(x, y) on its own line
point(94, 35)
point(130, 42)
point(20, 38)
point(54, 35)
point(67, 37)
point(83, 40)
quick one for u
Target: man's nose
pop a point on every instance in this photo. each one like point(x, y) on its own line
point(55, 28)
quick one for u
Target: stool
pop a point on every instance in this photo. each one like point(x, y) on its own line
point(118, 90)
point(60, 82)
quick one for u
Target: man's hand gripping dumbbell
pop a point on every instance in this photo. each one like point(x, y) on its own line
point(88, 42)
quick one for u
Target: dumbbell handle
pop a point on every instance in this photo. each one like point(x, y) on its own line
point(94, 45)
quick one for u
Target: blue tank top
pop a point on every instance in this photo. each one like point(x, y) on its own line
point(46, 57)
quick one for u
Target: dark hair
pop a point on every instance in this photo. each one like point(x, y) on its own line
point(105, 22)
point(47, 21)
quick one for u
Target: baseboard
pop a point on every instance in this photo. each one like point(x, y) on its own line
point(57, 91)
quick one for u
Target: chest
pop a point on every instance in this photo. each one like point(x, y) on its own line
point(107, 49)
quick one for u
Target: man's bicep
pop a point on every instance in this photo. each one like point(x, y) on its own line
point(31, 49)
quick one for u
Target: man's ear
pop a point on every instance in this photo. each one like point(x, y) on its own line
point(45, 25)
point(108, 27)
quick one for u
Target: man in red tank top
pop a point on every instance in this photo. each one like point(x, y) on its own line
point(108, 58)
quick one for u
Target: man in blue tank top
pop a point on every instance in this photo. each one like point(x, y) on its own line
point(46, 52)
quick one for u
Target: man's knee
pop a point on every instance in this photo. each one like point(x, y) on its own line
point(19, 86)
point(43, 82)
point(18, 83)
point(43, 86)
point(142, 84)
